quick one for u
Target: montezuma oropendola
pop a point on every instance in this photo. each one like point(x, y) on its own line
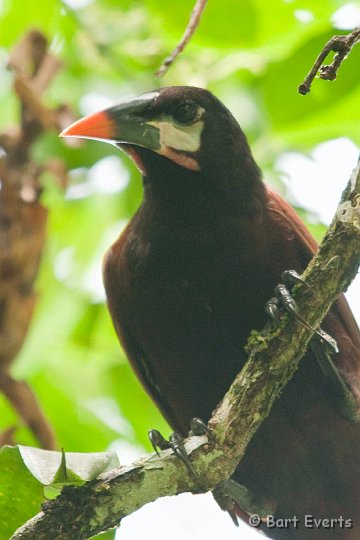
point(187, 281)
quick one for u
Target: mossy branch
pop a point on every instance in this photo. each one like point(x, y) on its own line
point(81, 512)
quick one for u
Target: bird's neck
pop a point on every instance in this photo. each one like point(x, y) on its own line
point(222, 190)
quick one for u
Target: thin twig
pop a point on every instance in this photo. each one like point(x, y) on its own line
point(46, 72)
point(342, 46)
point(43, 114)
point(189, 31)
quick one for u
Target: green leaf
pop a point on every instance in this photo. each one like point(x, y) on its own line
point(17, 17)
point(134, 402)
point(50, 467)
point(286, 107)
point(279, 23)
point(25, 470)
point(108, 535)
point(20, 493)
point(214, 28)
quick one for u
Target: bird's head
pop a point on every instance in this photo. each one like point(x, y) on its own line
point(177, 127)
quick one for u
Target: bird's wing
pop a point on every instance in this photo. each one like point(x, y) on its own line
point(132, 346)
point(142, 368)
point(340, 322)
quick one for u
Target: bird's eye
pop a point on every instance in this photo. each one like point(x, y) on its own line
point(186, 113)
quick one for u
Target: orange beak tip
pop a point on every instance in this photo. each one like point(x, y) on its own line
point(95, 126)
point(71, 131)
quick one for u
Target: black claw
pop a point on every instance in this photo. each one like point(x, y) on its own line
point(291, 277)
point(177, 445)
point(225, 500)
point(234, 518)
point(290, 305)
point(272, 310)
point(175, 442)
point(198, 427)
point(330, 341)
point(230, 494)
point(282, 294)
point(158, 441)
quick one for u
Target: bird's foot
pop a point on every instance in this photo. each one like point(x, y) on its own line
point(323, 346)
point(237, 499)
point(198, 427)
point(284, 299)
point(176, 444)
point(226, 500)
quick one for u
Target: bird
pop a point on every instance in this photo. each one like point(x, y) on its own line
point(186, 283)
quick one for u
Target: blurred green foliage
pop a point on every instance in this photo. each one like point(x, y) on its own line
point(252, 55)
point(37, 474)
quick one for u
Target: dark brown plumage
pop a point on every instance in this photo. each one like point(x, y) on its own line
point(188, 280)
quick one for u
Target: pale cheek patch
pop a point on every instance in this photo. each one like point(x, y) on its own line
point(185, 139)
point(177, 139)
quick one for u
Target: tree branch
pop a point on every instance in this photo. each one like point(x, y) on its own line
point(23, 218)
point(81, 512)
point(189, 32)
point(342, 46)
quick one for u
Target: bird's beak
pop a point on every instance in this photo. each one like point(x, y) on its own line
point(123, 123)
point(130, 123)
